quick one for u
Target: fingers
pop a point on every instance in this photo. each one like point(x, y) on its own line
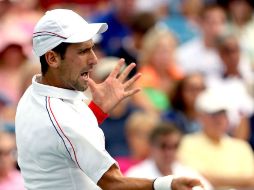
point(194, 182)
point(128, 83)
point(117, 69)
point(186, 183)
point(91, 84)
point(126, 72)
point(131, 92)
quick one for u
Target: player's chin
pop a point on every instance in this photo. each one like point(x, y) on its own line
point(81, 86)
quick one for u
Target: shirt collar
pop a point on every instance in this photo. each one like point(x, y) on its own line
point(55, 92)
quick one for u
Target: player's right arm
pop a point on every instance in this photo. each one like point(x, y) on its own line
point(114, 180)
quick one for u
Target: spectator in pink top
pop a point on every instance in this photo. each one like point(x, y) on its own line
point(10, 177)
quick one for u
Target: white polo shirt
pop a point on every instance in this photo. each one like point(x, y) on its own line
point(60, 146)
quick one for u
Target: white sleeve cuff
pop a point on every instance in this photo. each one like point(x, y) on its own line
point(163, 183)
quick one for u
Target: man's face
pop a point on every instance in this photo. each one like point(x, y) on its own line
point(215, 125)
point(165, 148)
point(213, 23)
point(230, 53)
point(78, 62)
point(240, 9)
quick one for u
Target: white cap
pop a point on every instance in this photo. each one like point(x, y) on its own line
point(63, 25)
point(211, 101)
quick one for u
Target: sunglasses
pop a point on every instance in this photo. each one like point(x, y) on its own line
point(167, 146)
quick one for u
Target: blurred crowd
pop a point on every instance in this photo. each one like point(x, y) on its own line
point(195, 114)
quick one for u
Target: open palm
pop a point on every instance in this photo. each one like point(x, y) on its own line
point(115, 88)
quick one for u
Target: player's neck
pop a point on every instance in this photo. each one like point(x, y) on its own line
point(50, 79)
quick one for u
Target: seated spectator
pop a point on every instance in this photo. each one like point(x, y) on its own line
point(236, 66)
point(199, 55)
point(138, 127)
point(118, 18)
point(241, 21)
point(158, 67)
point(183, 112)
point(185, 25)
point(225, 161)
point(12, 57)
point(140, 23)
point(236, 81)
point(10, 178)
point(164, 141)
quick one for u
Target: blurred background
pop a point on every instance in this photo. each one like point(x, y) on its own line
point(195, 113)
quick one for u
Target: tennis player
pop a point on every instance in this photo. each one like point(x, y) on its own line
point(60, 146)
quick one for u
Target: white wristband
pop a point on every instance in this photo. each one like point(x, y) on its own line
point(163, 183)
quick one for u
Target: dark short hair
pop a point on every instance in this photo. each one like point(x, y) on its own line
point(163, 129)
point(60, 49)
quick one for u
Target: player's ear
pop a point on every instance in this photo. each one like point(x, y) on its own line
point(53, 59)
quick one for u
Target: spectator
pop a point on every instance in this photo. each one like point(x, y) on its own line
point(139, 24)
point(164, 141)
point(10, 178)
point(158, 67)
point(118, 18)
point(235, 64)
point(236, 80)
point(242, 23)
point(224, 160)
point(138, 128)
point(185, 25)
point(183, 112)
point(199, 55)
point(11, 59)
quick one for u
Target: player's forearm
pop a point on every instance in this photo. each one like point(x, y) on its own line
point(125, 183)
point(114, 180)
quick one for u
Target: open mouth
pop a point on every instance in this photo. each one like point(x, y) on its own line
point(85, 75)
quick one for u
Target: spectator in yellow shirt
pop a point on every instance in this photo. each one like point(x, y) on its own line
point(224, 160)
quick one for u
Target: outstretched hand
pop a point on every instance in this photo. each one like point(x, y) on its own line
point(115, 88)
point(183, 183)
